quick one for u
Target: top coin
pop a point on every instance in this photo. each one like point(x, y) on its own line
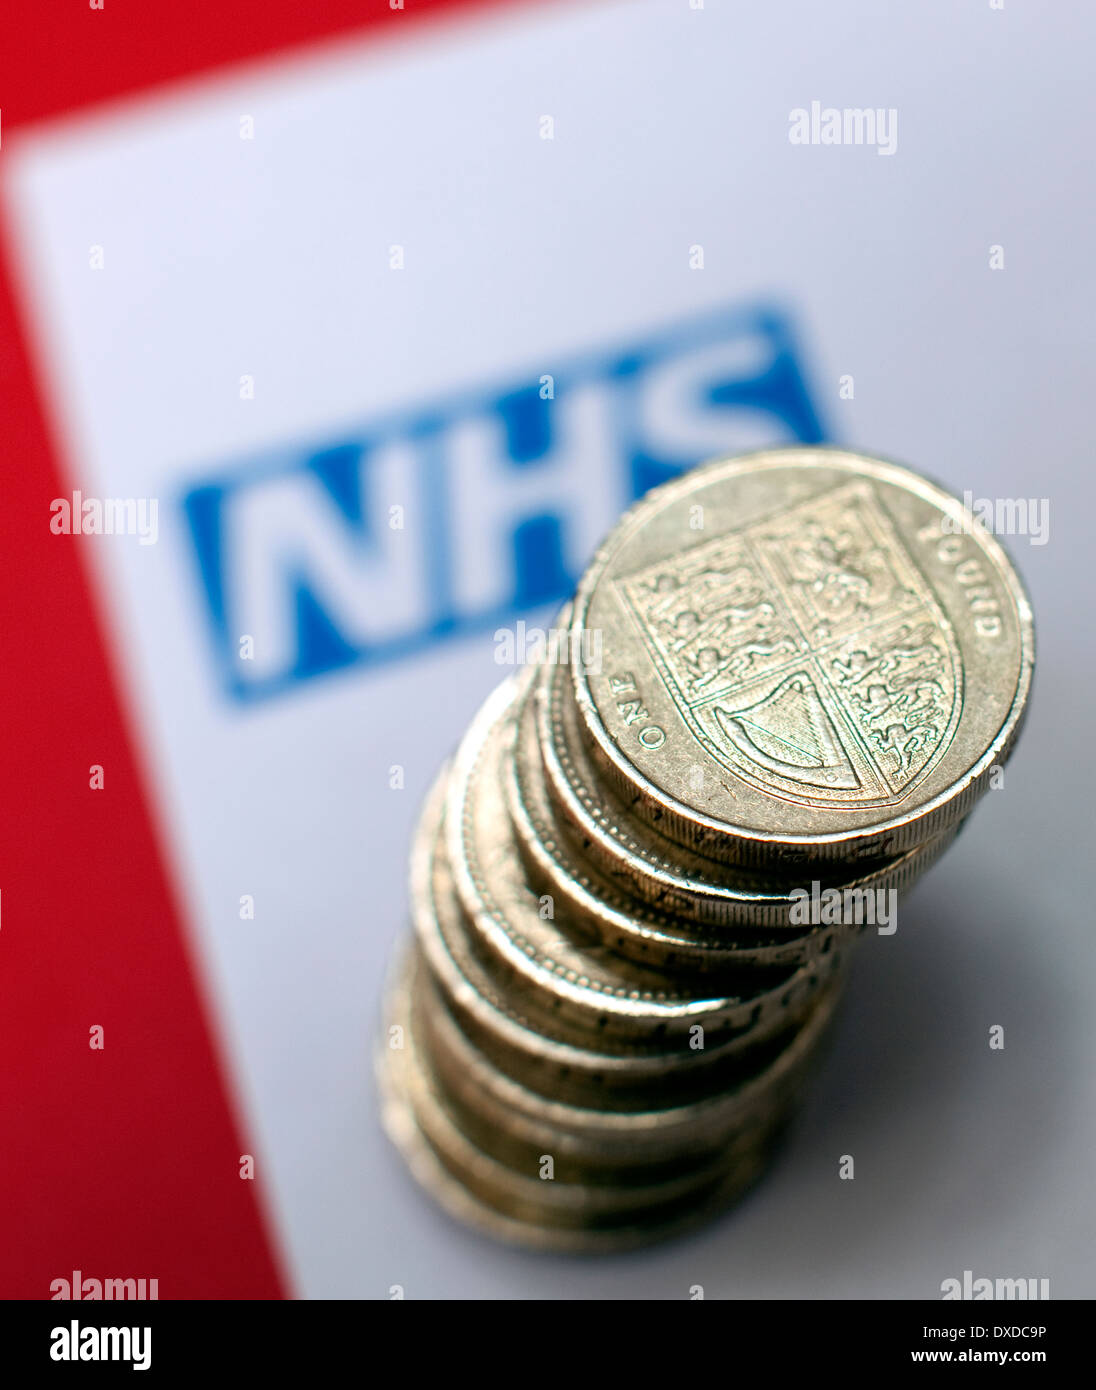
point(804, 654)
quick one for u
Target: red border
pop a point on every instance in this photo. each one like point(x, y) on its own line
point(60, 56)
point(121, 1162)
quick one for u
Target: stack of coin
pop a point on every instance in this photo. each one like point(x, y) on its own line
point(780, 688)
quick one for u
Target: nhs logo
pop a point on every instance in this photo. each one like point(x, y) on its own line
point(426, 526)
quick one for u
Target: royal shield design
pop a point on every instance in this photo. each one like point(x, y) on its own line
point(807, 652)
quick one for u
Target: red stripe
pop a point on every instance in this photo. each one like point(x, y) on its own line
point(122, 1162)
point(60, 54)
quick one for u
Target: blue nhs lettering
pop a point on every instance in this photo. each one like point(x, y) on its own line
point(450, 519)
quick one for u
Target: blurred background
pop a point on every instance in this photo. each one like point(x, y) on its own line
point(378, 320)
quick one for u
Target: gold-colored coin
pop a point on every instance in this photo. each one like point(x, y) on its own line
point(655, 900)
point(582, 986)
point(804, 658)
point(616, 993)
point(518, 1125)
point(613, 1074)
point(548, 1214)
